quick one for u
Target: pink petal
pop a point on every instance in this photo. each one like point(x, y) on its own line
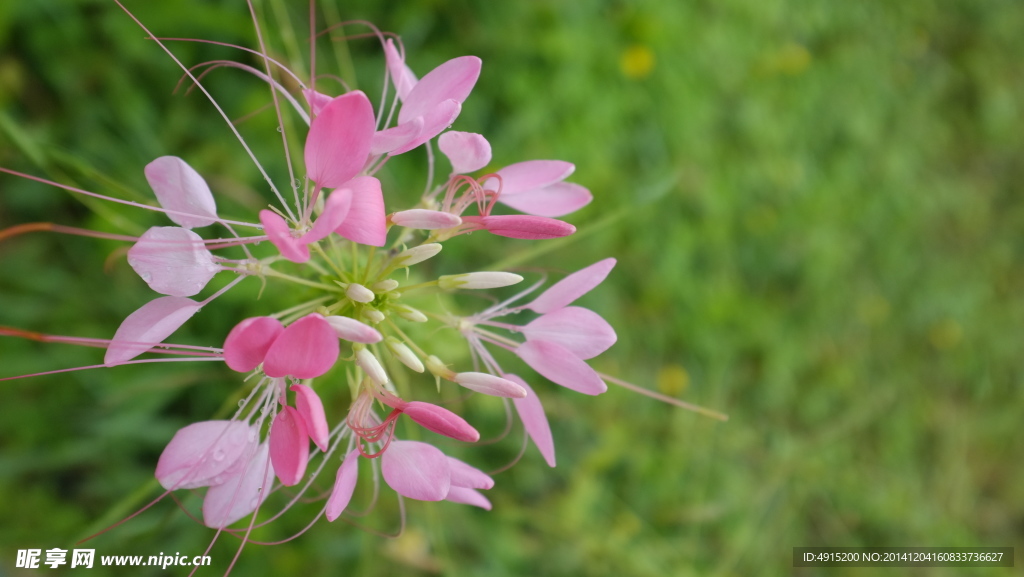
point(572, 287)
point(435, 121)
point(559, 365)
point(335, 210)
point(366, 222)
point(148, 326)
point(354, 331)
point(526, 226)
point(531, 412)
point(396, 136)
point(467, 151)
point(425, 219)
point(172, 261)
point(278, 232)
point(344, 486)
point(416, 470)
point(453, 80)
point(558, 199)
point(466, 496)
point(247, 344)
point(529, 175)
point(179, 187)
point(467, 476)
point(580, 330)
point(289, 446)
point(441, 421)
point(401, 75)
point(309, 405)
point(338, 143)
point(239, 495)
point(305, 349)
point(317, 100)
point(489, 385)
point(203, 454)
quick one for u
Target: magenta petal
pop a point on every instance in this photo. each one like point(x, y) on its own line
point(572, 287)
point(401, 75)
point(441, 421)
point(305, 349)
point(148, 326)
point(467, 151)
point(309, 405)
point(173, 261)
point(558, 199)
point(464, 475)
point(465, 496)
point(239, 495)
point(529, 175)
point(317, 100)
point(396, 136)
point(289, 446)
point(531, 412)
point(436, 121)
point(559, 365)
point(278, 232)
point(338, 143)
point(335, 210)
point(526, 226)
point(366, 222)
point(344, 486)
point(580, 330)
point(203, 454)
point(453, 80)
point(416, 470)
point(247, 344)
point(179, 187)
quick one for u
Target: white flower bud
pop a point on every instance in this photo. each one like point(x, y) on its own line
point(385, 286)
point(410, 314)
point(404, 354)
point(425, 219)
point(374, 316)
point(490, 385)
point(350, 329)
point(359, 293)
point(371, 366)
point(478, 280)
point(417, 254)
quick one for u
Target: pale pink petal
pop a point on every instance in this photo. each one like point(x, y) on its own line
point(366, 222)
point(416, 470)
point(336, 208)
point(344, 486)
point(179, 187)
point(580, 330)
point(354, 331)
point(441, 421)
point(453, 80)
point(305, 349)
point(247, 344)
point(204, 453)
point(289, 446)
point(558, 199)
point(466, 496)
point(240, 494)
point(425, 219)
point(172, 261)
point(401, 74)
point(338, 143)
point(467, 151)
point(464, 475)
point(435, 121)
point(572, 287)
point(396, 136)
point(317, 100)
point(489, 385)
point(526, 226)
point(529, 175)
point(531, 412)
point(560, 366)
point(309, 405)
point(148, 326)
point(280, 235)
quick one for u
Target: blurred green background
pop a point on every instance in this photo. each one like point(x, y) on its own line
point(817, 212)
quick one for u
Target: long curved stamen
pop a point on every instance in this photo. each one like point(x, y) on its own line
point(215, 64)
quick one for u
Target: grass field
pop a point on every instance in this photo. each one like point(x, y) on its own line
point(816, 208)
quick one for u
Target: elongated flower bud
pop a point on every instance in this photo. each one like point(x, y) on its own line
point(350, 329)
point(478, 280)
point(439, 369)
point(490, 385)
point(359, 293)
point(417, 254)
point(425, 219)
point(374, 316)
point(385, 286)
point(403, 353)
point(410, 314)
point(441, 421)
point(371, 366)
